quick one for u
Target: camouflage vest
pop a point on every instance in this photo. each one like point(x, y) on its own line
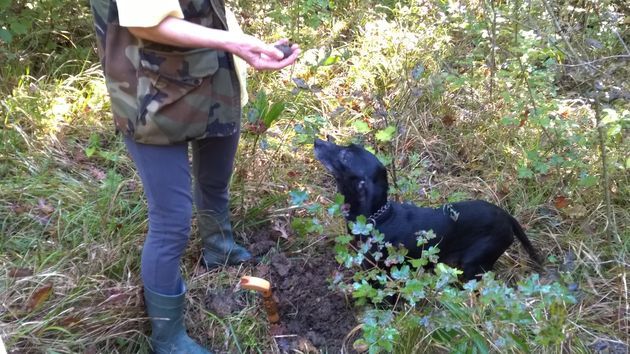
point(163, 94)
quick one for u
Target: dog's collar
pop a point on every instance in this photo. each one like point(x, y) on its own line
point(379, 214)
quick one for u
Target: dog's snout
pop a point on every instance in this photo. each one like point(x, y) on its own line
point(321, 144)
point(318, 146)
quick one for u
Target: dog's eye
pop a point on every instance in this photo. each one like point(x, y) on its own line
point(342, 157)
point(345, 157)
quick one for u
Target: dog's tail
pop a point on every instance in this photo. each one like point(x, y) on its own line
point(522, 237)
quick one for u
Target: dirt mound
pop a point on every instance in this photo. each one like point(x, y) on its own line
point(308, 307)
point(314, 317)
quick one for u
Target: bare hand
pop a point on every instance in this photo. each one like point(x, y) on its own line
point(263, 56)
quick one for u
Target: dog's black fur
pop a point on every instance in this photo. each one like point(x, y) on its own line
point(471, 235)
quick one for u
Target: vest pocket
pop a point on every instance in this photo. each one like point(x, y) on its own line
point(165, 81)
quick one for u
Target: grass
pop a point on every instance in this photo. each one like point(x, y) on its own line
point(72, 225)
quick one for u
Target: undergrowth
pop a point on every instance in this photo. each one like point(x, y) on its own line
point(525, 104)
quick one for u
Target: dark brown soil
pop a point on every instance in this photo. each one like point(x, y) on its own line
point(307, 306)
point(314, 317)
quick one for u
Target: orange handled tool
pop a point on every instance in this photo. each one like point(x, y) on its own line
point(264, 287)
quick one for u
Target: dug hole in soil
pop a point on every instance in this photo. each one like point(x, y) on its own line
point(314, 318)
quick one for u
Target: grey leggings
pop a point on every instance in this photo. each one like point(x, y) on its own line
point(166, 177)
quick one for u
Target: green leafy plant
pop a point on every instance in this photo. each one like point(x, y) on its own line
point(94, 149)
point(14, 23)
point(530, 315)
point(307, 129)
point(262, 113)
point(312, 12)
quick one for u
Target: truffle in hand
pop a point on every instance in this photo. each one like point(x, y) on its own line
point(285, 49)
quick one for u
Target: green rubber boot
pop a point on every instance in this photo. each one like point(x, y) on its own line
point(219, 247)
point(166, 313)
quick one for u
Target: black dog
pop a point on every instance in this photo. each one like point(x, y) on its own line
point(471, 235)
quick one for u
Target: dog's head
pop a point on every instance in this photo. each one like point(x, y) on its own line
point(361, 177)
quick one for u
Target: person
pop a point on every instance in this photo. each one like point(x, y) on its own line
point(170, 71)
